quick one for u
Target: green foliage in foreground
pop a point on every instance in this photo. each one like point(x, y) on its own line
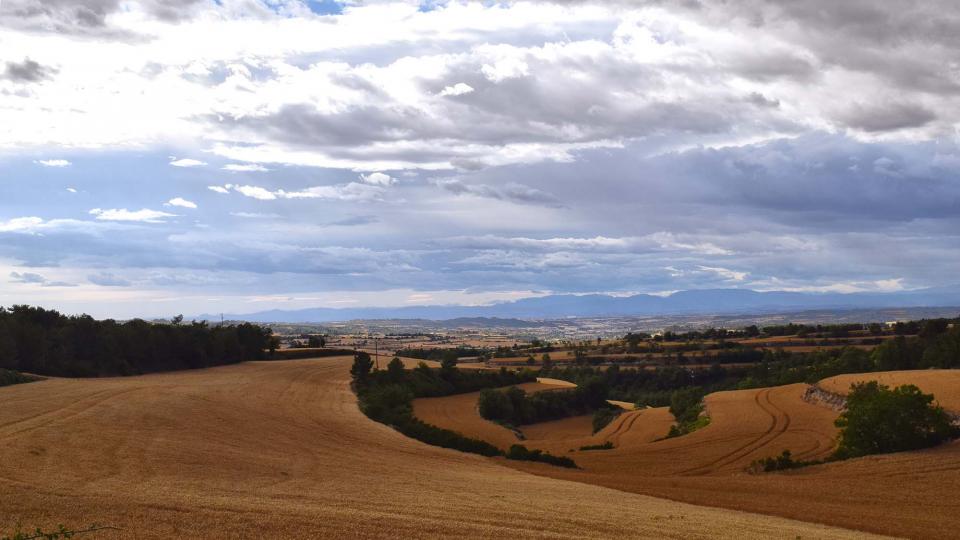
point(386, 396)
point(879, 420)
point(8, 377)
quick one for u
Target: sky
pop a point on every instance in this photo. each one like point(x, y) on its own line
point(199, 156)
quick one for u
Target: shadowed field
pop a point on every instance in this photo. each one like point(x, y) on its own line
point(280, 449)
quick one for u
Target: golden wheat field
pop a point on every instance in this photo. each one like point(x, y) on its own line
point(709, 466)
point(280, 450)
point(944, 384)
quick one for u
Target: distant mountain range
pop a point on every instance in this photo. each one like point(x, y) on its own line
point(704, 301)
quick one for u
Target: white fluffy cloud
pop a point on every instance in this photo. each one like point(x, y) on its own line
point(458, 89)
point(187, 162)
point(181, 202)
point(53, 162)
point(122, 214)
point(245, 167)
point(377, 179)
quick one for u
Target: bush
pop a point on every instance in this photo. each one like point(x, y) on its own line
point(879, 420)
point(522, 453)
point(782, 462)
point(686, 405)
point(8, 377)
point(605, 446)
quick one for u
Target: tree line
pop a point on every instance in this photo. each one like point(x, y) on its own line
point(46, 342)
point(387, 397)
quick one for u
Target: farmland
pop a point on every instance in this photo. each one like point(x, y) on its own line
point(281, 448)
point(709, 466)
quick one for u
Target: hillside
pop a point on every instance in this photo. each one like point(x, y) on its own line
point(281, 449)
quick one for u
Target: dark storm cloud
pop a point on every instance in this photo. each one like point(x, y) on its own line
point(28, 71)
point(887, 117)
point(83, 17)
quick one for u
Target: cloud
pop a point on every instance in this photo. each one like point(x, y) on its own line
point(352, 191)
point(254, 215)
point(37, 279)
point(255, 192)
point(21, 224)
point(245, 167)
point(511, 192)
point(458, 89)
point(53, 162)
point(181, 202)
point(187, 162)
point(107, 279)
point(887, 117)
point(355, 221)
point(27, 277)
point(377, 179)
point(219, 189)
point(28, 71)
point(122, 214)
point(726, 273)
point(72, 190)
point(88, 17)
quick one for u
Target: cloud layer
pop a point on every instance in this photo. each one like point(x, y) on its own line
point(242, 151)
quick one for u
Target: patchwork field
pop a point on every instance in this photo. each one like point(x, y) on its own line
point(709, 466)
point(280, 449)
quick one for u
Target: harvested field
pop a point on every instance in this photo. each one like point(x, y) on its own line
point(280, 449)
point(944, 384)
point(708, 466)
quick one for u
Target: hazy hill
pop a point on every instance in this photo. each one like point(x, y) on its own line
point(708, 301)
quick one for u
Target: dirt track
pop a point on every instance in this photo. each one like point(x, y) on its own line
point(280, 449)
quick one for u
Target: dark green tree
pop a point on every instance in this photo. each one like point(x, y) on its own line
point(395, 369)
point(362, 365)
point(880, 420)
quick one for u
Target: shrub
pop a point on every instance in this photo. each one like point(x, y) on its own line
point(605, 446)
point(880, 420)
point(686, 405)
point(8, 377)
point(522, 453)
point(782, 462)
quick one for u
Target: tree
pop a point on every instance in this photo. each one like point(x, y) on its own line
point(449, 362)
point(395, 369)
point(362, 365)
point(880, 420)
point(546, 362)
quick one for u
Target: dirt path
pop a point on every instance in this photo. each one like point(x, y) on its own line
point(279, 449)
